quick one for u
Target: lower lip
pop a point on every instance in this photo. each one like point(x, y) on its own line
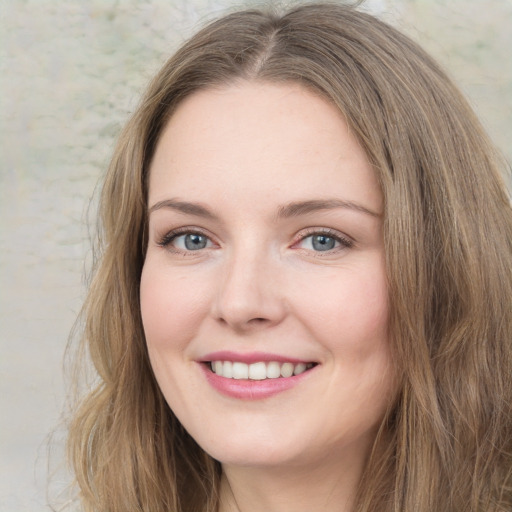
point(252, 389)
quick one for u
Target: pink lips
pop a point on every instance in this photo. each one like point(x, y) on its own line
point(251, 357)
point(250, 389)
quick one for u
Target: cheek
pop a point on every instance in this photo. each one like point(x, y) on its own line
point(348, 310)
point(171, 305)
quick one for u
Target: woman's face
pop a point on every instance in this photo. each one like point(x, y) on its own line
point(265, 258)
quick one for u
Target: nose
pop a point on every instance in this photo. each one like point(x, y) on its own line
point(250, 296)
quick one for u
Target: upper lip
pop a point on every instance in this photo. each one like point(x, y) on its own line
point(251, 357)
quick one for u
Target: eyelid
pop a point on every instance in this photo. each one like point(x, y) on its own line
point(345, 241)
point(166, 239)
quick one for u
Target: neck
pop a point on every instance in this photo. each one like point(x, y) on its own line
point(289, 489)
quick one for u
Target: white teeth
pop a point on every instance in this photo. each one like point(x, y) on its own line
point(299, 368)
point(273, 370)
point(227, 369)
point(257, 371)
point(287, 370)
point(240, 371)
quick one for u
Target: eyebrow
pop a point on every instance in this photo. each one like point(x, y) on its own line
point(294, 209)
point(183, 207)
point(305, 207)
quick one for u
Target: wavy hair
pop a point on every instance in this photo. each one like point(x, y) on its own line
point(446, 445)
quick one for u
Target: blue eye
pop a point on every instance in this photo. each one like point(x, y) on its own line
point(192, 241)
point(324, 241)
point(320, 242)
point(186, 241)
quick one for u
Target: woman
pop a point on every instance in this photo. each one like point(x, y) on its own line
point(303, 295)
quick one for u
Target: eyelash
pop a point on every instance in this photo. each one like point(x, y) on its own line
point(344, 242)
point(168, 238)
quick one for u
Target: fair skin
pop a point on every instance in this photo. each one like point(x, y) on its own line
point(265, 252)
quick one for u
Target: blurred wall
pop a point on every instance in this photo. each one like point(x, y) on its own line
point(70, 74)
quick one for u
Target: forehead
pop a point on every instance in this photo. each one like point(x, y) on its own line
point(257, 138)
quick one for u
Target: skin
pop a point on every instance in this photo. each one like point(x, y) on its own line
point(245, 152)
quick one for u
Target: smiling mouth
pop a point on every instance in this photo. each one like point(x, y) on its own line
point(258, 371)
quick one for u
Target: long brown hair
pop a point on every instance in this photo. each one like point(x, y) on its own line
point(447, 443)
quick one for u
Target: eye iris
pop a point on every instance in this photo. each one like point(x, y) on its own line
point(193, 241)
point(323, 243)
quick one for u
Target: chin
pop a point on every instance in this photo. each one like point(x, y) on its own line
point(253, 456)
point(250, 448)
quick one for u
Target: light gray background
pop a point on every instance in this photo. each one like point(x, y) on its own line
point(70, 74)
